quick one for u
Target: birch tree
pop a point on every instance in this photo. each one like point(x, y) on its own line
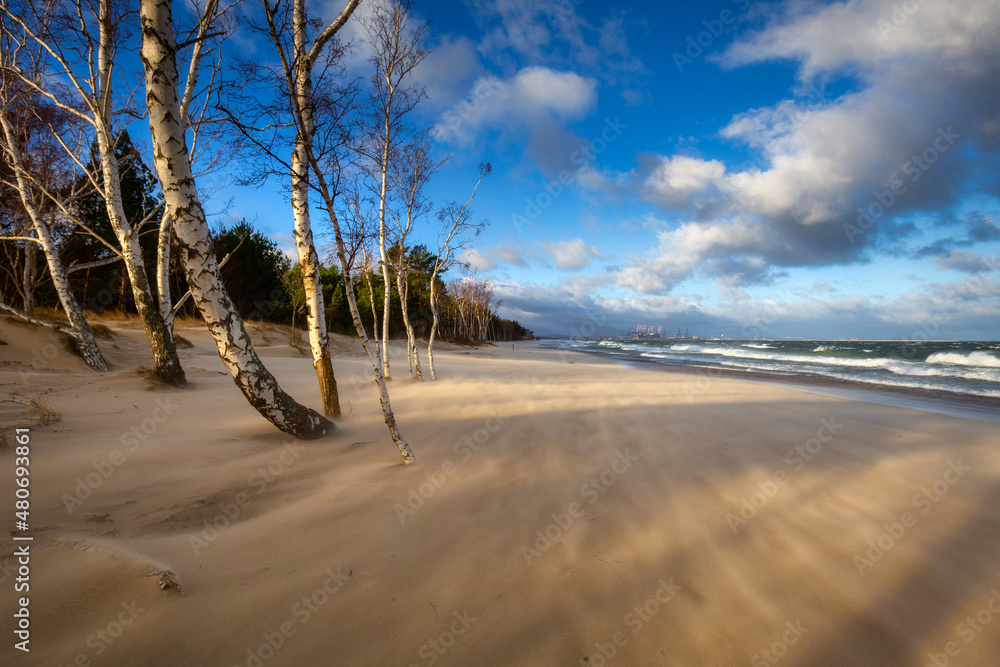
point(184, 207)
point(409, 174)
point(287, 26)
point(322, 159)
point(457, 228)
point(397, 43)
point(15, 109)
point(80, 43)
point(211, 145)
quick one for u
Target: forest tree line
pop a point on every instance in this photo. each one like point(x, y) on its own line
point(263, 283)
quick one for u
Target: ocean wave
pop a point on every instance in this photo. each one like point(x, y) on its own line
point(978, 358)
point(760, 346)
point(811, 363)
point(829, 348)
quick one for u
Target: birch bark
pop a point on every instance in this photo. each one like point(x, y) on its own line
point(183, 205)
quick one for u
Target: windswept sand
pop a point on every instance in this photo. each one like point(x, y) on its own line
point(556, 498)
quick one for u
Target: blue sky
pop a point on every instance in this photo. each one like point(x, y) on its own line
point(797, 169)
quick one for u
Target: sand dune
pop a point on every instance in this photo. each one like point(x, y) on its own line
point(564, 511)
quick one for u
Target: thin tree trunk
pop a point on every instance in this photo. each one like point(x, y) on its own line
point(319, 342)
point(371, 299)
point(173, 167)
point(434, 325)
point(383, 391)
point(413, 359)
point(163, 273)
point(30, 275)
point(82, 335)
point(166, 364)
point(381, 248)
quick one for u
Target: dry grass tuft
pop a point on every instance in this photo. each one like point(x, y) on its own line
point(46, 414)
point(102, 331)
point(182, 343)
point(38, 410)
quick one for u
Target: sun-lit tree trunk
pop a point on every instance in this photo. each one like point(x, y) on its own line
point(322, 162)
point(166, 364)
point(434, 323)
point(412, 358)
point(384, 263)
point(210, 15)
point(163, 297)
point(319, 343)
point(183, 205)
point(387, 412)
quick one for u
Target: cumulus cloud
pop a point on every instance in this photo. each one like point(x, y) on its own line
point(532, 96)
point(677, 182)
point(828, 176)
point(702, 248)
point(572, 255)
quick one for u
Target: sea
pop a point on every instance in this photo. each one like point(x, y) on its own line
point(961, 367)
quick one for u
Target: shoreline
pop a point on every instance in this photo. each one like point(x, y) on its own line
point(970, 406)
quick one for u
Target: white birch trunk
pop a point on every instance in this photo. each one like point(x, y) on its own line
point(383, 391)
point(163, 273)
point(173, 167)
point(319, 344)
point(166, 364)
point(82, 335)
point(434, 324)
point(382, 254)
point(413, 359)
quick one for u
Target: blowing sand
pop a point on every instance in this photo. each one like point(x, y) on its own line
point(564, 510)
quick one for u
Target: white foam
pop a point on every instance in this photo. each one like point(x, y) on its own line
point(978, 358)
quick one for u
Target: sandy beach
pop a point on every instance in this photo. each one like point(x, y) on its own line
point(564, 510)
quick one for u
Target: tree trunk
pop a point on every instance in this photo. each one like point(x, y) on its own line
point(413, 359)
point(173, 167)
point(163, 274)
point(166, 364)
point(382, 253)
point(319, 342)
point(30, 275)
point(383, 391)
point(86, 345)
point(371, 299)
point(434, 326)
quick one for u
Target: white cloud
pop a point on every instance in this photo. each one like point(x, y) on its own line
point(572, 255)
point(920, 119)
point(968, 262)
point(488, 259)
point(532, 96)
point(678, 180)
